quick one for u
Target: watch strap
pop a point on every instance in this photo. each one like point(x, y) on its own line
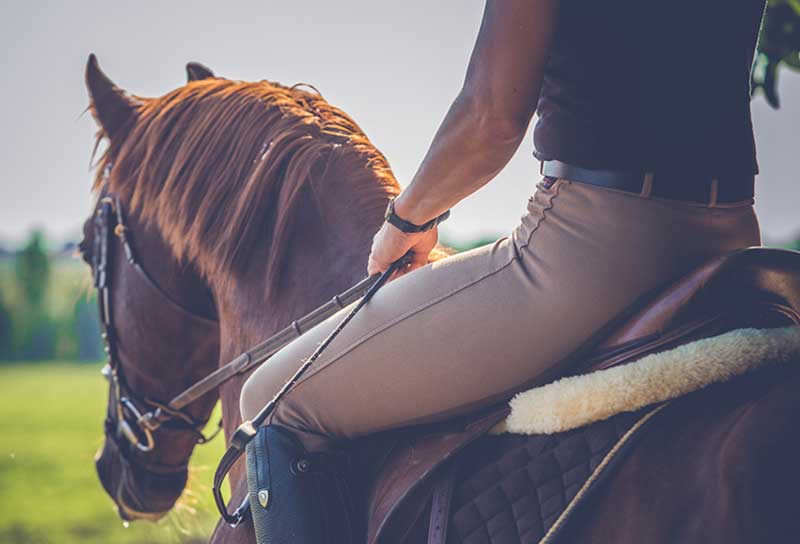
point(407, 226)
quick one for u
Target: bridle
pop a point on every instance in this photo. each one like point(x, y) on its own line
point(132, 416)
point(136, 417)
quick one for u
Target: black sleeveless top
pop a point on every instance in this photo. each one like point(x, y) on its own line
point(651, 85)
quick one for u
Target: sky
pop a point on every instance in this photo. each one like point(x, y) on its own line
point(393, 66)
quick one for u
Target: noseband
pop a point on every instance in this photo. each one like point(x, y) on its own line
point(132, 416)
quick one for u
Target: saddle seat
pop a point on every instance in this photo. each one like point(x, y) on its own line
point(756, 287)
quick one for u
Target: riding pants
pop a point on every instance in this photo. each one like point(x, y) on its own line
point(474, 328)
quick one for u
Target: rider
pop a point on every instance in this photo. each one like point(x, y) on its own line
point(648, 160)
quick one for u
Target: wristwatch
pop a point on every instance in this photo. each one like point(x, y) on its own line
point(408, 227)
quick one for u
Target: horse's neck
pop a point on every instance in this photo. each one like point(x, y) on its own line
point(327, 257)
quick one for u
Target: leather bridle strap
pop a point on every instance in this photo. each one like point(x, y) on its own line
point(121, 231)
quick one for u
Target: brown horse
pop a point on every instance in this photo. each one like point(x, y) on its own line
point(248, 205)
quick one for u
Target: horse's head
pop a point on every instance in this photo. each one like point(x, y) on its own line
point(160, 329)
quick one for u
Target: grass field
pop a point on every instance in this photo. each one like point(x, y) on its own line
point(50, 427)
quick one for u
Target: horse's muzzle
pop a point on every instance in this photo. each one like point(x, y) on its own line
point(137, 492)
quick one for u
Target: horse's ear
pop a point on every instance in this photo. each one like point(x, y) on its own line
point(111, 107)
point(196, 71)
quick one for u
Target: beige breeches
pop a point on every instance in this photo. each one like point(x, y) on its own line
point(474, 328)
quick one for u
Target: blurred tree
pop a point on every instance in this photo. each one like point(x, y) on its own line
point(32, 268)
point(6, 344)
point(39, 345)
point(778, 45)
point(33, 329)
point(86, 327)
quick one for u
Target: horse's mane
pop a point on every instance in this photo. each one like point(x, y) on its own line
point(219, 167)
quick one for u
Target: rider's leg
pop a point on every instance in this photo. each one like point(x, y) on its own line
point(474, 328)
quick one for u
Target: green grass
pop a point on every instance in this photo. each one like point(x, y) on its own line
point(50, 427)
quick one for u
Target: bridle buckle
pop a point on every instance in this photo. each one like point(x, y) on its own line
point(124, 428)
point(150, 421)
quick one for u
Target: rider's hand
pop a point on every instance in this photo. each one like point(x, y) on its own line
point(390, 243)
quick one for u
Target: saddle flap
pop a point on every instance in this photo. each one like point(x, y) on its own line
point(412, 463)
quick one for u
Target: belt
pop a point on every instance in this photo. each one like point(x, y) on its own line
point(675, 186)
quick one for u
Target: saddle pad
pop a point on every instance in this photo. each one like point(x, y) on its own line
point(514, 489)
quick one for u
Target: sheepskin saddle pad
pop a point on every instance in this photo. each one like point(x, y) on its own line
point(562, 439)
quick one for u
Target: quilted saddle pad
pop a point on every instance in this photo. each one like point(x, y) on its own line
point(533, 483)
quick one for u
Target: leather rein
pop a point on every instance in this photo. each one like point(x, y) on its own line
point(136, 417)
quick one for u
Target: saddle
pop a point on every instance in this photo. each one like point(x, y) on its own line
point(449, 482)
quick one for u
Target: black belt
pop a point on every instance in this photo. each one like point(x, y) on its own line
point(679, 186)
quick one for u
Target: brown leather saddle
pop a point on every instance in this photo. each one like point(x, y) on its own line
point(412, 493)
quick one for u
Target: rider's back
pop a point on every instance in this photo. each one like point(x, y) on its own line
point(651, 85)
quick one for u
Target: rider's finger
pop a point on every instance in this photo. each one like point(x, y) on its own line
point(373, 267)
point(377, 264)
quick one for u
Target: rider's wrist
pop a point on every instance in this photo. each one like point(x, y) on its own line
point(408, 211)
point(401, 217)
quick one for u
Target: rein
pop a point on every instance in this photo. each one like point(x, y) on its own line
point(258, 354)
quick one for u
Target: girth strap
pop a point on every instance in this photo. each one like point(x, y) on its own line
point(440, 505)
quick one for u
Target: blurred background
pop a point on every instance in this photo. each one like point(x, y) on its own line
point(394, 66)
